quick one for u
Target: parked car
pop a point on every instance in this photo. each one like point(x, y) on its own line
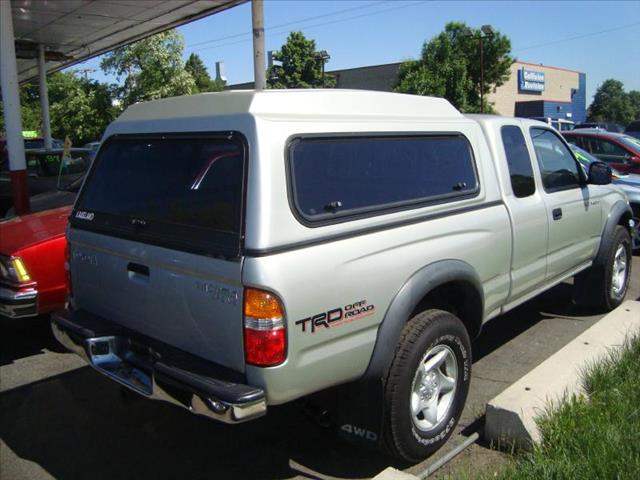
point(606, 126)
point(63, 196)
point(628, 183)
point(559, 124)
point(633, 129)
point(32, 255)
point(93, 147)
point(29, 144)
point(38, 143)
point(620, 151)
point(46, 172)
point(238, 250)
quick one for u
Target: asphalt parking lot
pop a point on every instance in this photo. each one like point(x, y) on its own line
point(60, 419)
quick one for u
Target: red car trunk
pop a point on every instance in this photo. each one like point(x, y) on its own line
point(39, 241)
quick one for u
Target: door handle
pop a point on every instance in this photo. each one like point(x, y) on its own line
point(557, 213)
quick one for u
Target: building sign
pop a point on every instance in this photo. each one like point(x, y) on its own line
point(530, 80)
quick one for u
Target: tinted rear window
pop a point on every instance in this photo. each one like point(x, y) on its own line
point(338, 177)
point(178, 191)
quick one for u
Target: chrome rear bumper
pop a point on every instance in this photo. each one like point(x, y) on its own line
point(147, 370)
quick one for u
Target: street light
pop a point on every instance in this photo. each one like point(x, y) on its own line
point(324, 56)
point(486, 31)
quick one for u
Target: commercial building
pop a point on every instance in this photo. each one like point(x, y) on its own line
point(542, 91)
point(533, 90)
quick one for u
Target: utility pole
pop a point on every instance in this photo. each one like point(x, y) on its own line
point(257, 20)
point(323, 56)
point(481, 75)
point(486, 31)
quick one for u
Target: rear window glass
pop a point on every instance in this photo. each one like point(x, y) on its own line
point(338, 177)
point(172, 190)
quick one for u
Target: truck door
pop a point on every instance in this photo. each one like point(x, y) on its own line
point(574, 215)
point(528, 215)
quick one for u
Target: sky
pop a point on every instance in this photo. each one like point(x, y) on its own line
point(599, 38)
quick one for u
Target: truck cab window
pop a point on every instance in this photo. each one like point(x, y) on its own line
point(518, 160)
point(558, 166)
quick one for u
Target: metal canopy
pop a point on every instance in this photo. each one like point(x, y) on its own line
point(76, 30)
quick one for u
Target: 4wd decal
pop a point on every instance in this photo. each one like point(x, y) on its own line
point(337, 316)
point(359, 432)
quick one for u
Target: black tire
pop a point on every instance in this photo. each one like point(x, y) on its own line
point(594, 287)
point(621, 239)
point(428, 331)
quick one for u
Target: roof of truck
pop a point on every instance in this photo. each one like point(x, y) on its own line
point(293, 103)
point(492, 119)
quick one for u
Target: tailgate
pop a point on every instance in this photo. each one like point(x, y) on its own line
point(155, 240)
point(189, 301)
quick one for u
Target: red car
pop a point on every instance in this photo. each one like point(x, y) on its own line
point(32, 257)
point(620, 151)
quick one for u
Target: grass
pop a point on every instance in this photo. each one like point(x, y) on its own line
point(590, 437)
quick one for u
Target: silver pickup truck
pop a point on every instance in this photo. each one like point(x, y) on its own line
point(237, 250)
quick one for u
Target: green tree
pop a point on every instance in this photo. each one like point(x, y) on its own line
point(634, 98)
point(449, 67)
point(301, 66)
point(79, 108)
point(29, 108)
point(611, 104)
point(203, 82)
point(152, 68)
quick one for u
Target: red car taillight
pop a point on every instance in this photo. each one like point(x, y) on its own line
point(265, 336)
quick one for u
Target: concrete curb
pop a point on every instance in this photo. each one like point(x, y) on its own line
point(391, 473)
point(510, 417)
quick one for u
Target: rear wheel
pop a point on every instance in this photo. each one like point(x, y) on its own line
point(427, 384)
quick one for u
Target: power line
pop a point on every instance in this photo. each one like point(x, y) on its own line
point(397, 7)
point(577, 37)
point(300, 20)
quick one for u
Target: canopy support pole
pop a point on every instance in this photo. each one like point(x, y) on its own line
point(44, 99)
point(12, 114)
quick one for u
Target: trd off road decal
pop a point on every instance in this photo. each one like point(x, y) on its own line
point(337, 316)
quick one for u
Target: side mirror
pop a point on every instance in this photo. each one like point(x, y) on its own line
point(599, 173)
point(634, 159)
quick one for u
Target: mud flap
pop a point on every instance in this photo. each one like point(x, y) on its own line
point(360, 413)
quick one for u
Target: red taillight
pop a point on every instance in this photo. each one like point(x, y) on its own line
point(265, 336)
point(265, 348)
point(67, 270)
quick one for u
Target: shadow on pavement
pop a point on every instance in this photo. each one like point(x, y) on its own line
point(25, 337)
point(498, 331)
point(75, 425)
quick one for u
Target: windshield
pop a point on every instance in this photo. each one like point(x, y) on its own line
point(181, 191)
